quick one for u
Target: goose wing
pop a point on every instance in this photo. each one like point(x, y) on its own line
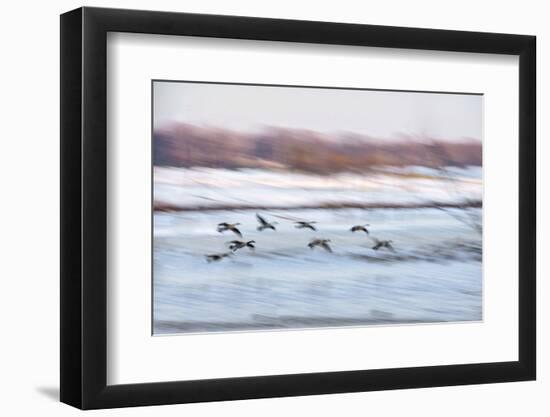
point(326, 247)
point(236, 231)
point(262, 221)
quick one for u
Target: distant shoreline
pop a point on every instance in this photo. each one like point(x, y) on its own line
point(168, 208)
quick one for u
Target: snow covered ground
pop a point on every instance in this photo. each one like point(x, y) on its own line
point(208, 187)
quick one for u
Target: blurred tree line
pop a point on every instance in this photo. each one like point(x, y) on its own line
point(184, 145)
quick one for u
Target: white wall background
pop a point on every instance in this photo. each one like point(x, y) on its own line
point(29, 300)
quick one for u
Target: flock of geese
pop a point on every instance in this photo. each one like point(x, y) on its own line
point(235, 245)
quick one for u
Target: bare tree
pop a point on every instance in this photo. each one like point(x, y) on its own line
point(469, 214)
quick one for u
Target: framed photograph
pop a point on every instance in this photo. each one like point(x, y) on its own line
point(259, 208)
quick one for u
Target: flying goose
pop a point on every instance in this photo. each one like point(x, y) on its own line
point(320, 242)
point(383, 244)
point(360, 228)
point(264, 224)
point(222, 227)
point(235, 245)
point(305, 225)
point(217, 256)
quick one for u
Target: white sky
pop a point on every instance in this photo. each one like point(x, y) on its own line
point(382, 114)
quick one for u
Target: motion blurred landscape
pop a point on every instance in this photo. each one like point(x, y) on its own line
point(184, 145)
point(418, 189)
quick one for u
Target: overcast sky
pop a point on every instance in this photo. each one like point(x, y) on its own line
point(382, 114)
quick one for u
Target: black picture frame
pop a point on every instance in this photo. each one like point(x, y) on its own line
point(84, 207)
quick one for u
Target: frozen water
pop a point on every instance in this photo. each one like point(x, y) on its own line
point(434, 275)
